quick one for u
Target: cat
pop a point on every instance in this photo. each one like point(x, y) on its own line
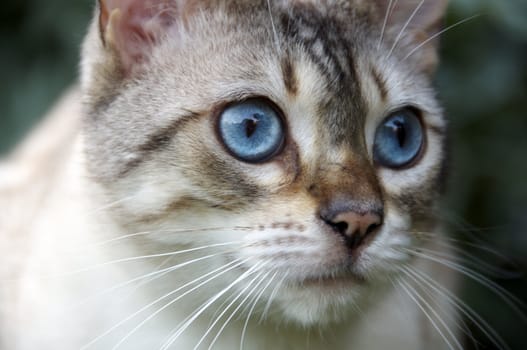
point(234, 174)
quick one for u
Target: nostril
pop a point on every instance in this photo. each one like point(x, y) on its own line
point(341, 227)
point(353, 226)
point(372, 228)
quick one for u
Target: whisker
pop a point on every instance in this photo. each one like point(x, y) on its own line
point(271, 298)
point(254, 302)
point(220, 308)
point(429, 290)
point(469, 260)
point(275, 33)
point(466, 228)
point(143, 257)
point(386, 16)
point(227, 267)
point(148, 279)
point(111, 204)
point(170, 231)
point(178, 298)
point(225, 309)
point(432, 293)
point(155, 275)
point(205, 306)
point(246, 308)
point(450, 243)
point(516, 304)
point(260, 279)
point(460, 305)
point(399, 36)
point(434, 312)
point(237, 308)
point(408, 289)
point(439, 34)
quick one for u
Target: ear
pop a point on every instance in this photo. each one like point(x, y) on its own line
point(130, 28)
point(415, 22)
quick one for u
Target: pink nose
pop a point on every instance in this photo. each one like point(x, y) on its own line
point(351, 223)
point(353, 226)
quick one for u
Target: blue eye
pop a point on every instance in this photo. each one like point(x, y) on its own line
point(251, 130)
point(398, 140)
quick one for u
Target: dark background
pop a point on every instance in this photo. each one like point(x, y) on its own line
point(482, 82)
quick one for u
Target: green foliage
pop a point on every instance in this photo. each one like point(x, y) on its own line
point(483, 83)
point(39, 44)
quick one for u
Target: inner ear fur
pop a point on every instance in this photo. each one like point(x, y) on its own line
point(130, 28)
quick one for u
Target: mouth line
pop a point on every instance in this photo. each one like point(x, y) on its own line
point(347, 278)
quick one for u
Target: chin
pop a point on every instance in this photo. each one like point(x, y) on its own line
point(321, 302)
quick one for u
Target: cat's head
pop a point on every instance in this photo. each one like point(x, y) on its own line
point(303, 137)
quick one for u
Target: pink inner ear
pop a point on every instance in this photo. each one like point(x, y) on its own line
point(137, 28)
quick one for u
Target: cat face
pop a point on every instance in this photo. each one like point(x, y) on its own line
point(301, 138)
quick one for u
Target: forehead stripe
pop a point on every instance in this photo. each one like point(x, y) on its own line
point(327, 47)
point(156, 141)
point(289, 75)
point(380, 83)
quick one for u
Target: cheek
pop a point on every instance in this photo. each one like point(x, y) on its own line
point(224, 178)
point(289, 239)
point(287, 234)
point(387, 252)
point(143, 195)
point(423, 175)
point(299, 250)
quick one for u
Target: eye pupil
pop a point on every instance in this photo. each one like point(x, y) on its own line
point(251, 125)
point(400, 132)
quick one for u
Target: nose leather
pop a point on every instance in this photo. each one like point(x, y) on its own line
point(353, 222)
point(357, 224)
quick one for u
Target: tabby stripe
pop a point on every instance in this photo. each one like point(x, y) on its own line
point(441, 131)
point(157, 141)
point(289, 75)
point(332, 54)
point(380, 82)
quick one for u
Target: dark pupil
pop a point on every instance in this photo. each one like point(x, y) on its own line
point(400, 132)
point(251, 125)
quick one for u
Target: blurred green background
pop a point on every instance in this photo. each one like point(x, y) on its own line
point(482, 82)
